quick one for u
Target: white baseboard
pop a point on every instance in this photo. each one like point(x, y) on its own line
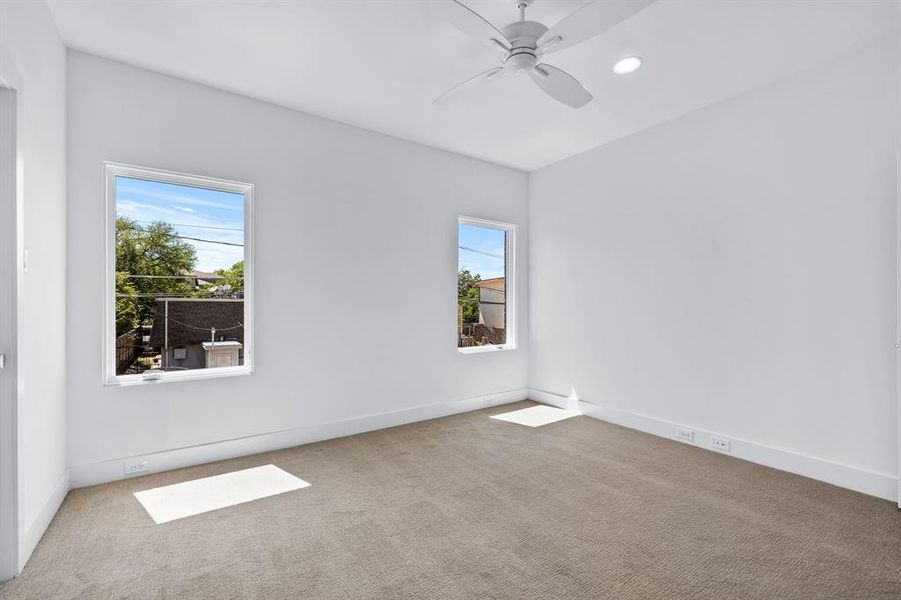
point(876, 484)
point(33, 532)
point(113, 470)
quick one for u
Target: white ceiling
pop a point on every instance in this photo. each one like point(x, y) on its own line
point(379, 64)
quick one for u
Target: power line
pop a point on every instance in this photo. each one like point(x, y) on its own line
point(164, 276)
point(161, 294)
point(467, 248)
point(184, 237)
point(175, 295)
point(204, 276)
point(238, 326)
point(197, 226)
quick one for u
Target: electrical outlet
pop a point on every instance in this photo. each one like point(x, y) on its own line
point(722, 444)
point(686, 435)
point(136, 465)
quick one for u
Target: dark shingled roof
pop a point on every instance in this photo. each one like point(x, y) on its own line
point(223, 314)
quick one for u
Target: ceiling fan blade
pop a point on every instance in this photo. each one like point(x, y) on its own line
point(560, 85)
point(472, 23)
point(459, 89)
point(588, 21)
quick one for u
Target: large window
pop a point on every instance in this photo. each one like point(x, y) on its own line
point(485, 285)
point(178, 276)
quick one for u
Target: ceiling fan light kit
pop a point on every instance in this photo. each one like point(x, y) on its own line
point(526, 42)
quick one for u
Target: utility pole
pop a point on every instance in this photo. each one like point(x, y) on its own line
point(166, 338)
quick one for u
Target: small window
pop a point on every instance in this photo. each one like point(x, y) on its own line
point(485, 285)
point(178, 276)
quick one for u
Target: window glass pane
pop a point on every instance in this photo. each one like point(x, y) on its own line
point(481, 286)
point(179, 277)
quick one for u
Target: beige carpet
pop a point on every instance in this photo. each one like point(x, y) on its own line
point(472, 507)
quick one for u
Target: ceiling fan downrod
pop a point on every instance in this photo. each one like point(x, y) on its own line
point(522, 5)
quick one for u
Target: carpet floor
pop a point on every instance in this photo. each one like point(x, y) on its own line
point(472, 507)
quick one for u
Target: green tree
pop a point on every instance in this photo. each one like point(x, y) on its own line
point(151, 259)
point(468, 295)
point(126, 304)
point(234, 276)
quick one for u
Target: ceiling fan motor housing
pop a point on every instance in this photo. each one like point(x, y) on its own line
point(525, 44)
point(523, 37)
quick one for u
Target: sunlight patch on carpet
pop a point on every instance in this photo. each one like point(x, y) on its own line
point(536, 416)
point(180, 500)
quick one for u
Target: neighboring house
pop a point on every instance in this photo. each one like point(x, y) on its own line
point(199, 279)
point(492, 302)
point(186, 339)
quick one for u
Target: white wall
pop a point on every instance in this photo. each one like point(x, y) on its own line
point(34, 55)
point(345, 220)
point(733, 270)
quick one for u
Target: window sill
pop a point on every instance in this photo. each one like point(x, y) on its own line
point(484, 349)
point(173, 376)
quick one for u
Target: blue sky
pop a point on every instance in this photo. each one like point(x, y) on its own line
point(481, 242)
point(193, 212)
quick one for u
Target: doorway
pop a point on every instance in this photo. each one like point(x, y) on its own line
point(10, 195)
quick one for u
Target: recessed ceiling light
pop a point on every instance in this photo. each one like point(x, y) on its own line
point(627, 65)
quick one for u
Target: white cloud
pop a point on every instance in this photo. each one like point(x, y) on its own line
point(213, 256)
point(126, 188)
point(209, 256)
point(141, 211)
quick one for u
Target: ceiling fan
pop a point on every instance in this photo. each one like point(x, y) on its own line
point(525, 43)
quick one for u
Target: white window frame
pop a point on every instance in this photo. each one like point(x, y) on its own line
point(509, 281)
point(112, 170)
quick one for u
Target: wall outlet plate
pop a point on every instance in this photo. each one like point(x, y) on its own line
point(686, 435)
point(719, 443)
point(136, 465)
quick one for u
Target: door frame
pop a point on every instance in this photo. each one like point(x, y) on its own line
point(11, 273)
point(898, 307)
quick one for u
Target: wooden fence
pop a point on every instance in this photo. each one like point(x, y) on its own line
point(128, 348)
